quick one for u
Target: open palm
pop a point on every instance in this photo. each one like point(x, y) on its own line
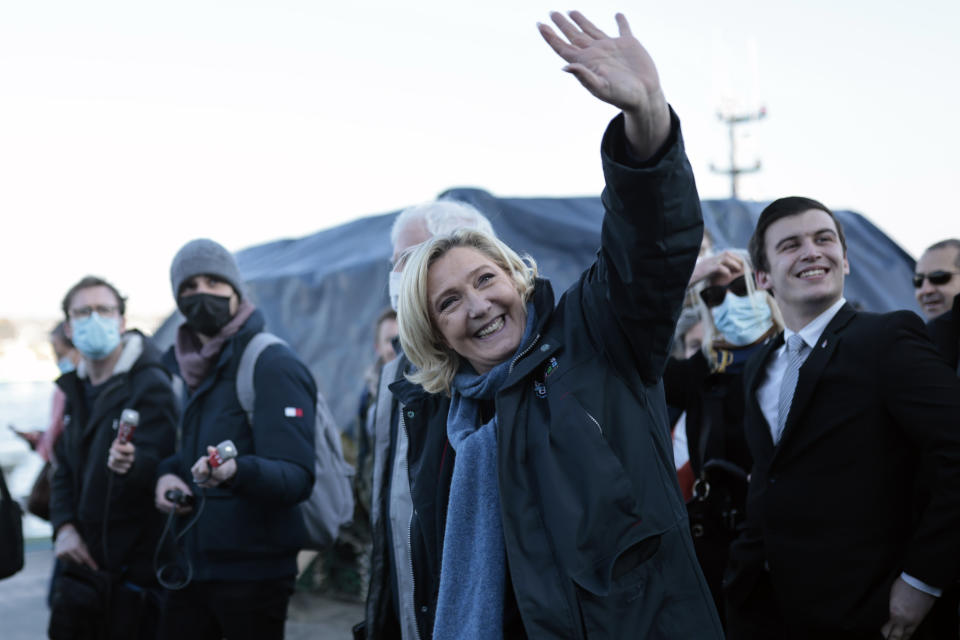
point(618, 71)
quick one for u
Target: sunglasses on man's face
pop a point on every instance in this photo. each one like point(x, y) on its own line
point(937, 277)
point(715, 293)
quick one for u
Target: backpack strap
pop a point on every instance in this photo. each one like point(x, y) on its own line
point(246, 394)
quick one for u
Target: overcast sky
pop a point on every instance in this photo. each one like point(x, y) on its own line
point(129, 128)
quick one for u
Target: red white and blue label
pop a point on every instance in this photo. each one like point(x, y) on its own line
point(293, 412)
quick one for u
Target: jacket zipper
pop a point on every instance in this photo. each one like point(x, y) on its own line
point(523, 353)
point(413, 576)
point(594, 421)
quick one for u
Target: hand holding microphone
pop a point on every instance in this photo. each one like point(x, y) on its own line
point(122, 452)
point(217, 467)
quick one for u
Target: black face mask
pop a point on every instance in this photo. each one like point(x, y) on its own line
point(205, 312)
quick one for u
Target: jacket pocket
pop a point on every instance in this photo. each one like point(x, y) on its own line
point(588, 501)
point(624, 609)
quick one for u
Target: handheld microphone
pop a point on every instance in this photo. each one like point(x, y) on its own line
point(225, 451)
point(178, 497)
point(129, 420)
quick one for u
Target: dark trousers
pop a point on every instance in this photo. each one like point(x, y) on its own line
point(235, 610)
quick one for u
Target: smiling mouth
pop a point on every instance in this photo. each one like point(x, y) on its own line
point(815, 272)
point(493, 327)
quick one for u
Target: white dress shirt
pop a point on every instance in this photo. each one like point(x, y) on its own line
point(768, 394)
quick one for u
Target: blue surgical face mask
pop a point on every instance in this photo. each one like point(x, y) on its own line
point(393, 286)
point(95, 337)
point(742, 320)
point(65, 364)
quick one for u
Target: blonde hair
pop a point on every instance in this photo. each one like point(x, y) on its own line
point(423, 344)
point(710, 333)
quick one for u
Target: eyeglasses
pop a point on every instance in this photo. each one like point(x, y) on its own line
point(714, 294)
point(937, 277)
point(101, 309)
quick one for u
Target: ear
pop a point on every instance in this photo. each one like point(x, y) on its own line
point(763, 280)
point(846, 265)
point(122, 324)
point(68, 329)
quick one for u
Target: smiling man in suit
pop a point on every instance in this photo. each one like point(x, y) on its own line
point(853, 421)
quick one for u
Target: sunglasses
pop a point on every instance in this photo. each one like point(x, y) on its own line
point(937, 277)
point(715, 293)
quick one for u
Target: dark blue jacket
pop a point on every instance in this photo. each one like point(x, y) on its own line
point(596, 532)
point(81, 481)
point(250, 529)
point(595, 529)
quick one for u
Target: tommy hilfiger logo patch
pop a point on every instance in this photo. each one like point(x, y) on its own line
point(293, 412)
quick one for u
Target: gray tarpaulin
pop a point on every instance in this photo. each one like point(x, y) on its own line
point(322, 293)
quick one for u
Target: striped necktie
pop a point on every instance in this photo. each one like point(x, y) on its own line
point(796, 354)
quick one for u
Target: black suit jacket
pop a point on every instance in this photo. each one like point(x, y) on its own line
point(945, 332)
point(864, 483)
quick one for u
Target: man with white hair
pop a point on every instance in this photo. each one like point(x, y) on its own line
point(417, 224)
point(405, 522)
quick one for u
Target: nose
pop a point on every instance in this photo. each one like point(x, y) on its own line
point(811, 250)
point(477, 304)
point(926, 287)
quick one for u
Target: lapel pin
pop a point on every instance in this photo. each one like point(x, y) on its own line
point(824, 345)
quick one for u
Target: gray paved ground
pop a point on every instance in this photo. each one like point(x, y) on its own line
point(23, 609)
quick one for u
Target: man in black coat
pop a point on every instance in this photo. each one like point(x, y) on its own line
point(854, 499)
point(101, 507)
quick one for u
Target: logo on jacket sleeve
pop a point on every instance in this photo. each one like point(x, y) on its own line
point(293, 412)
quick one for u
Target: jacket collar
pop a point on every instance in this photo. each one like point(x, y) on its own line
point(543, 302)
point(137, 353)
point(402, 389)
point(234, 344)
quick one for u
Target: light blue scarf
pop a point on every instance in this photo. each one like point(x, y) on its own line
point(473, 567)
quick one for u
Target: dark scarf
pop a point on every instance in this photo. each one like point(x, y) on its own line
point(194, 358)
point(473, 568)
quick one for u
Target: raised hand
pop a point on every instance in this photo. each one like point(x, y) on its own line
point(726, 266)
point(618, 71)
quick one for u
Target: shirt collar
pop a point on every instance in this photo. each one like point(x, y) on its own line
point(814, 329)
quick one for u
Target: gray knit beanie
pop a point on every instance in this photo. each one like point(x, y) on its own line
point(204, 257)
